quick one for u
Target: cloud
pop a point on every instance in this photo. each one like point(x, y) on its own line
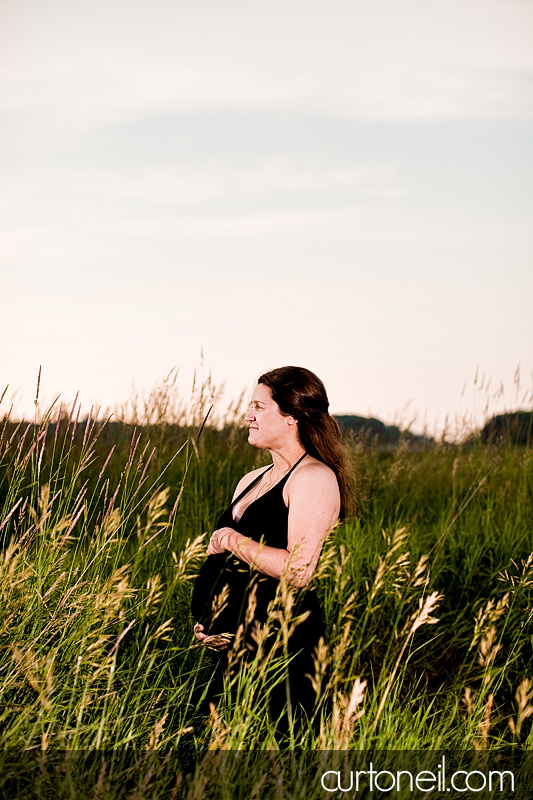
point(85, 100)
point(90, 65)
point(194, 185)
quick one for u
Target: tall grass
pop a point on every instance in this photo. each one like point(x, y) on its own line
point(426, 596)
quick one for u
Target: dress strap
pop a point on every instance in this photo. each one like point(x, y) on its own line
point(251, 485)
point(256, 480)
point(295, 465)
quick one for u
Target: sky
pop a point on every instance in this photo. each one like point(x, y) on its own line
point(232, 186)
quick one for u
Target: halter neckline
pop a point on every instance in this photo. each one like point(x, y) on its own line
point(270, 489)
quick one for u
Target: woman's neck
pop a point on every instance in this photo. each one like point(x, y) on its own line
point(285, 458)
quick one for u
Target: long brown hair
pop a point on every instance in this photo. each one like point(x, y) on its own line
point(300, 393)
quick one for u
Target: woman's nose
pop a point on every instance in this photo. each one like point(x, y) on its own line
point(250, 416)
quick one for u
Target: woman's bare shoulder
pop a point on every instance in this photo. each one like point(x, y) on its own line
point(313, 467)
point(247, 479)
point(312, 472)
point(313, 488)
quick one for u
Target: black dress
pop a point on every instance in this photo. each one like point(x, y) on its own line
point(264, 520)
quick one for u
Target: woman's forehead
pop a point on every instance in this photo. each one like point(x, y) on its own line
point(262, 394)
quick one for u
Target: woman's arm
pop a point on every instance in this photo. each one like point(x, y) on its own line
point(314, 504)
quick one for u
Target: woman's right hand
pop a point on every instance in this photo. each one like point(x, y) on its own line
point(217, 641)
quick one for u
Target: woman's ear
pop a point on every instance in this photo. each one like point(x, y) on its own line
point(292, 420)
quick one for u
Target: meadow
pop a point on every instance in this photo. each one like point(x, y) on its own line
point(427, 597)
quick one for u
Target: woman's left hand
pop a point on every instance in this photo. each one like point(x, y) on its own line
point(219, 541)
point(217, 641)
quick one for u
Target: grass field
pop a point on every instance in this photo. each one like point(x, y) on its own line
point(427, 596)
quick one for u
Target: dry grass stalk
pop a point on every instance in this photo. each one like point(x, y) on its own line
point(97, 795)
point(10, 514)
point(525, 573)
point(488, 650)
point(156, 510)
point(141, 791)
point(30, 665)
point(105, 533)
point(350, 716)
point(468, 701)
point(53, 586)
point(524, 700)
point(260, 635)
point(343, 719)
point(393, 565)
point(153, 598)
point(220, 601)
point(256, 791)
point(484, 725)
point(114, 592)
point(281, 617)
point(183, 731)
point(332, 558)
point(164, 631)
point(186, 564)
point(176, 787)
point(339, 654)
point(487, 616)
point(201, 779)
point(321, 662)
point(219, 731)
point(12, 569)
point(422, 617)
point(155, 734)
point(425, 610)
point(421, 574)
point(236, 652)
point(251, 607)
point(121, 637)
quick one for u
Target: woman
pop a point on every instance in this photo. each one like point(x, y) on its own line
point(275, 527)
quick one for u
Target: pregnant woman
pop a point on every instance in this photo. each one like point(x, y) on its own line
point(274, 529)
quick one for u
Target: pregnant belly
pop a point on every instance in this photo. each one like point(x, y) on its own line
point(222, 590)
point(218, 594)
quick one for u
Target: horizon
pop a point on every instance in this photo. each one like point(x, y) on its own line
point(209, 394)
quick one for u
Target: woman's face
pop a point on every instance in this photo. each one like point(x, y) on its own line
point(268, 426)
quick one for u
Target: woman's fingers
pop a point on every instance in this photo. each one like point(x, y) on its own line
point(214, 545)
point(217, 641)
point(198, 632)
point(218, 541)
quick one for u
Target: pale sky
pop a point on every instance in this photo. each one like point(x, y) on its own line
point(342, 185)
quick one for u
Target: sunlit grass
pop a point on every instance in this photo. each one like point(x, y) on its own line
point(426, 595)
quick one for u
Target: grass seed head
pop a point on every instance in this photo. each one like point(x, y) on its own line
point(426, 609)
point(524, 702)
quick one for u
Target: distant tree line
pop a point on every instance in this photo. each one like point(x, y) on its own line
point(512, 428)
